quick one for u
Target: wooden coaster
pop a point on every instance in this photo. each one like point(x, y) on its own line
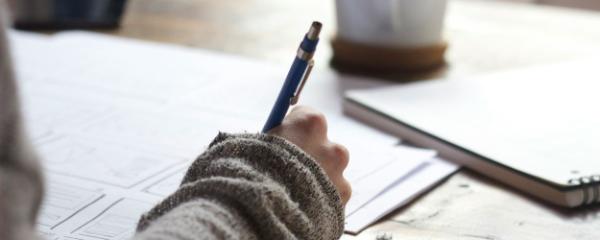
point(357, 57)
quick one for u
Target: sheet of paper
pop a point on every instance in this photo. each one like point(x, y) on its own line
point(405, 190)
point(118, 221)
point(117, 122)
point(63, 201)
point(372, 170)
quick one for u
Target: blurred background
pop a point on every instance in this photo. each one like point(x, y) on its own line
point(584, 4)
point(483, 35)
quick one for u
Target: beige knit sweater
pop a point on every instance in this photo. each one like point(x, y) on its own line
point(249, 186)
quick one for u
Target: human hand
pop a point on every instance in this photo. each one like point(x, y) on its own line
point(307, 128)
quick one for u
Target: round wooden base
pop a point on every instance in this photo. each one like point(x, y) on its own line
point(361, 58)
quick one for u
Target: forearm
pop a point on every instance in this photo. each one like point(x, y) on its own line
point(249, 187)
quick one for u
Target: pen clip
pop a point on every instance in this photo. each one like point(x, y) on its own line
point(296, 96)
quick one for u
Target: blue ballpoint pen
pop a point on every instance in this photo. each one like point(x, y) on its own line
point(296, 77)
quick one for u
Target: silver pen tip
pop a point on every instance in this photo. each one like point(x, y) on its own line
point(315, 29)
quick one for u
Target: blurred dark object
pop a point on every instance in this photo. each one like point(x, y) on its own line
point(66, 14)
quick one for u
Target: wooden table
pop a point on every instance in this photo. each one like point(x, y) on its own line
point(484, 36)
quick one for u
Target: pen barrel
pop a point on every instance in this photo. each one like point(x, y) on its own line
point(294, 78)
point(282, 103)
point(309, 45)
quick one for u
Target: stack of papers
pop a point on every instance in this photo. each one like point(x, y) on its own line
point(117, 122)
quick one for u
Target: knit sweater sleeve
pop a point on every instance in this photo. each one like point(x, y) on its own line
point(249, 186)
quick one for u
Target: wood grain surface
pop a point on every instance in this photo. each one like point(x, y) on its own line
point(483, 37)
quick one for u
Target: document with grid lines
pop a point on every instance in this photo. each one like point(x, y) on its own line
point(117, 122)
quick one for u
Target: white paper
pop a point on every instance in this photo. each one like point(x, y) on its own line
point(118, 221)
point(117, 122)
point(168, 184)
point(402, 193)
point(63, 201)
point(375, 169)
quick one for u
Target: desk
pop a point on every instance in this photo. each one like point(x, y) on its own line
point(483, 36)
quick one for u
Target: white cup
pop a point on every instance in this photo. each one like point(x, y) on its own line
point(395, 23)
